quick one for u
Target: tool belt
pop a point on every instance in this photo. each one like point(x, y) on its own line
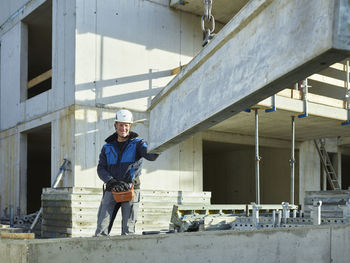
point(126, 196)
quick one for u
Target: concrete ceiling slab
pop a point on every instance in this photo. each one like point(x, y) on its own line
point(246, 63)
point(222, 10)
point(277, 125)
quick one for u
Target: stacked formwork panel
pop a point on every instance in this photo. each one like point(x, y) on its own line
point(72, 212)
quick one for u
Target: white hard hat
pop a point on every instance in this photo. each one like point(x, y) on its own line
point(124, 116)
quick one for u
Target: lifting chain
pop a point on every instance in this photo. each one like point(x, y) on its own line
point(207, 19)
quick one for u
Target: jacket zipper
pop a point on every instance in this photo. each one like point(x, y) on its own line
point(113, 152)
point(120, 155)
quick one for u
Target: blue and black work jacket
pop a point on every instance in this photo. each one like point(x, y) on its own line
point(123, 164)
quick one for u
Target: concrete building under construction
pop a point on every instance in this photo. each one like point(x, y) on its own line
point(243, 99)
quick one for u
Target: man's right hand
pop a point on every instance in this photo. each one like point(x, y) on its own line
point(111, 184)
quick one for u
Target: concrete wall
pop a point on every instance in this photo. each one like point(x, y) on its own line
point(126, 49)
point(15, 108)
point(13, 156)
point(179, 168)
point(231, 175)
point(77, 133)
point(304, 244)
point(104, 56)
point(8, 8)
point(10, 70)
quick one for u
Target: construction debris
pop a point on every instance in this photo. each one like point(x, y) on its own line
point(327, 207)
point(335, 204)
point(22, 221)
point(215, 217)
point(18, 235)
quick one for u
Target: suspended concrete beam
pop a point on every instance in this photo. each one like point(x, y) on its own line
point(268, 46)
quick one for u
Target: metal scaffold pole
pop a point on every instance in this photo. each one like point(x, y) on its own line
point(347, 94)
point(257, 158)
point(292, 163)
point(348, 90)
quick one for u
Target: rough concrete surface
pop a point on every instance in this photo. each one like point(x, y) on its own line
point(246, 62)
point(304, 244)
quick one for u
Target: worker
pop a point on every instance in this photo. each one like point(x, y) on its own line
point(120, 163)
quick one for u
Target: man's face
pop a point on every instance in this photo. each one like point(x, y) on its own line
point(123, 129)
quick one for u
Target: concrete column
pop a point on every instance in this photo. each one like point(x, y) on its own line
point(23, 62)
point(21, 187)
point(11, 77)
point(190, 164)
point(309, 169)
point(63, 53)
point(337, 166)
point(63, 145)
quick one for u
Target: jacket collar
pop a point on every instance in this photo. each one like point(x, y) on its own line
point(114, 137)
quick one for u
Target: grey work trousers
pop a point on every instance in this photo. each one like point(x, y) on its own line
point(108, 211)
point(134, 208)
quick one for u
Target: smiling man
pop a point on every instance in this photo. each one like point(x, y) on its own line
point(120, 163)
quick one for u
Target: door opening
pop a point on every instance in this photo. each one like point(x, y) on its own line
point(38, 165)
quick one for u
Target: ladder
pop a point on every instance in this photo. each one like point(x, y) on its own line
point(327, 164)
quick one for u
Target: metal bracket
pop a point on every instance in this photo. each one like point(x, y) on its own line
point(305, 90)
point(255, 214)
point(273, 98)
point(316, 212)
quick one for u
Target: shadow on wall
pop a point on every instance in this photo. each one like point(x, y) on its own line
point(121, 32)
point(100, 84)
point(129, 42)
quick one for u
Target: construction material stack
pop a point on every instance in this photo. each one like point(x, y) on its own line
point(321, 208)
point(72, 212)
point(335, 204)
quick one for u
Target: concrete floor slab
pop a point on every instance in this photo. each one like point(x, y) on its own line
point(277, 125)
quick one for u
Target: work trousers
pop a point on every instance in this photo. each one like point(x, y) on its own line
point(134, 208)
point(107, 212)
